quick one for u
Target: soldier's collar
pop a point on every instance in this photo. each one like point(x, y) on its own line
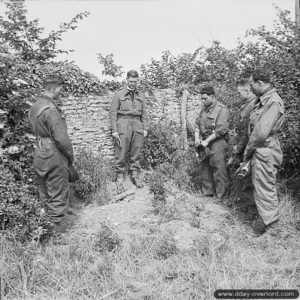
point(263, 99)
point(212, 106)
point(135, 91)
point(248, 101)
point(50, 100)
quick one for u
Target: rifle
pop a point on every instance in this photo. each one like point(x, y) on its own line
point(244, 169)
point(237, 180)
point(202, 152)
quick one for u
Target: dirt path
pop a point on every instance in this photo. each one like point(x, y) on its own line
point(186, 217)
point(125, 216)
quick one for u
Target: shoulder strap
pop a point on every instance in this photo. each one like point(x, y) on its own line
point(36, 111)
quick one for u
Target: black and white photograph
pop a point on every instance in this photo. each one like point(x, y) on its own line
point(149, 149)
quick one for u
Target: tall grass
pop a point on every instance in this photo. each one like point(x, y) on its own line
point(151, 266)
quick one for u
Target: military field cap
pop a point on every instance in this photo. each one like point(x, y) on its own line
point(53, 79)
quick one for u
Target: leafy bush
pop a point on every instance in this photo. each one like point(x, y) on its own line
point(160, 144)
point(20, 210)
point(94, 173)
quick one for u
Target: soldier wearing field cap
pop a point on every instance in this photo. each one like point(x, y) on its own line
point(129, 128)
point(244, 196)
point(264, 151)
point(211, 129)
point(53, 152)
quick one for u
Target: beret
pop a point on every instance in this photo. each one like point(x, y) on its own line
point(53, 79)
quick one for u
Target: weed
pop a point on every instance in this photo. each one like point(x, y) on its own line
point(106, 240)
point(165, 246)
point(95, 172)
point(157, 187)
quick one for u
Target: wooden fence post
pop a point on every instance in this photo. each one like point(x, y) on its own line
point(185, 96)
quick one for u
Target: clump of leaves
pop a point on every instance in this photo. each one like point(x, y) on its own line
point(160, 144)
point(110, 68)
point(94, 171)
point(20, 210)
point(106, 240)
point(195, 211)
point(157, 187)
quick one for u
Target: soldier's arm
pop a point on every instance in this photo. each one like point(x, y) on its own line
point(113, 112)
point(222, 125)
point(262, 129)
point(242, 142)
point(197, 130)
point(59, 134)
point(144, 116)
point(242, 137)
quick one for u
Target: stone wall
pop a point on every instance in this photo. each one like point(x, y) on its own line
point(88, 117)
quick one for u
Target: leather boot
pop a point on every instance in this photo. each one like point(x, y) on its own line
point(136, 180)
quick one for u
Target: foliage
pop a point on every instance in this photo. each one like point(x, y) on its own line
point(20, 209)
point(25, 37)
point(106, 240)
point(110, 68)
point(94, 174)
point(161, 143)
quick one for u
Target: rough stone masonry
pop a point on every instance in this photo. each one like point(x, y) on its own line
point(88, 117)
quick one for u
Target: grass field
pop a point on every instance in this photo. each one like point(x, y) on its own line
point(159, 259)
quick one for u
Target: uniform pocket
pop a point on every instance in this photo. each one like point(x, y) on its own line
point(45, 149)
point(210, 123)
point(264, 153)
point(125, 105)
point(122, 125)
point(138, 126)
point(138, 105)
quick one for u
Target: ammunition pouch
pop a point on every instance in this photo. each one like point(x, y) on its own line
point(44, 147)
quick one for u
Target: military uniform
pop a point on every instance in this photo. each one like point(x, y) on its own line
point(242, 125)
point(53, 154)
point(214, 119)
point(245, 184)
point(264, 150)
point(128, 118)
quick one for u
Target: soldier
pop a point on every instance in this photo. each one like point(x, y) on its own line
point(248, 99)
point(53, 153)
point(210, 131)
point(129, 127)
point(263, 149)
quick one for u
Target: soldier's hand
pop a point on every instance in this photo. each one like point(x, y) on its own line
point(234, 149)
point(145, 133)
point(197, 142)
point(115, 135)
point(230, 160)
point(204, 143)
